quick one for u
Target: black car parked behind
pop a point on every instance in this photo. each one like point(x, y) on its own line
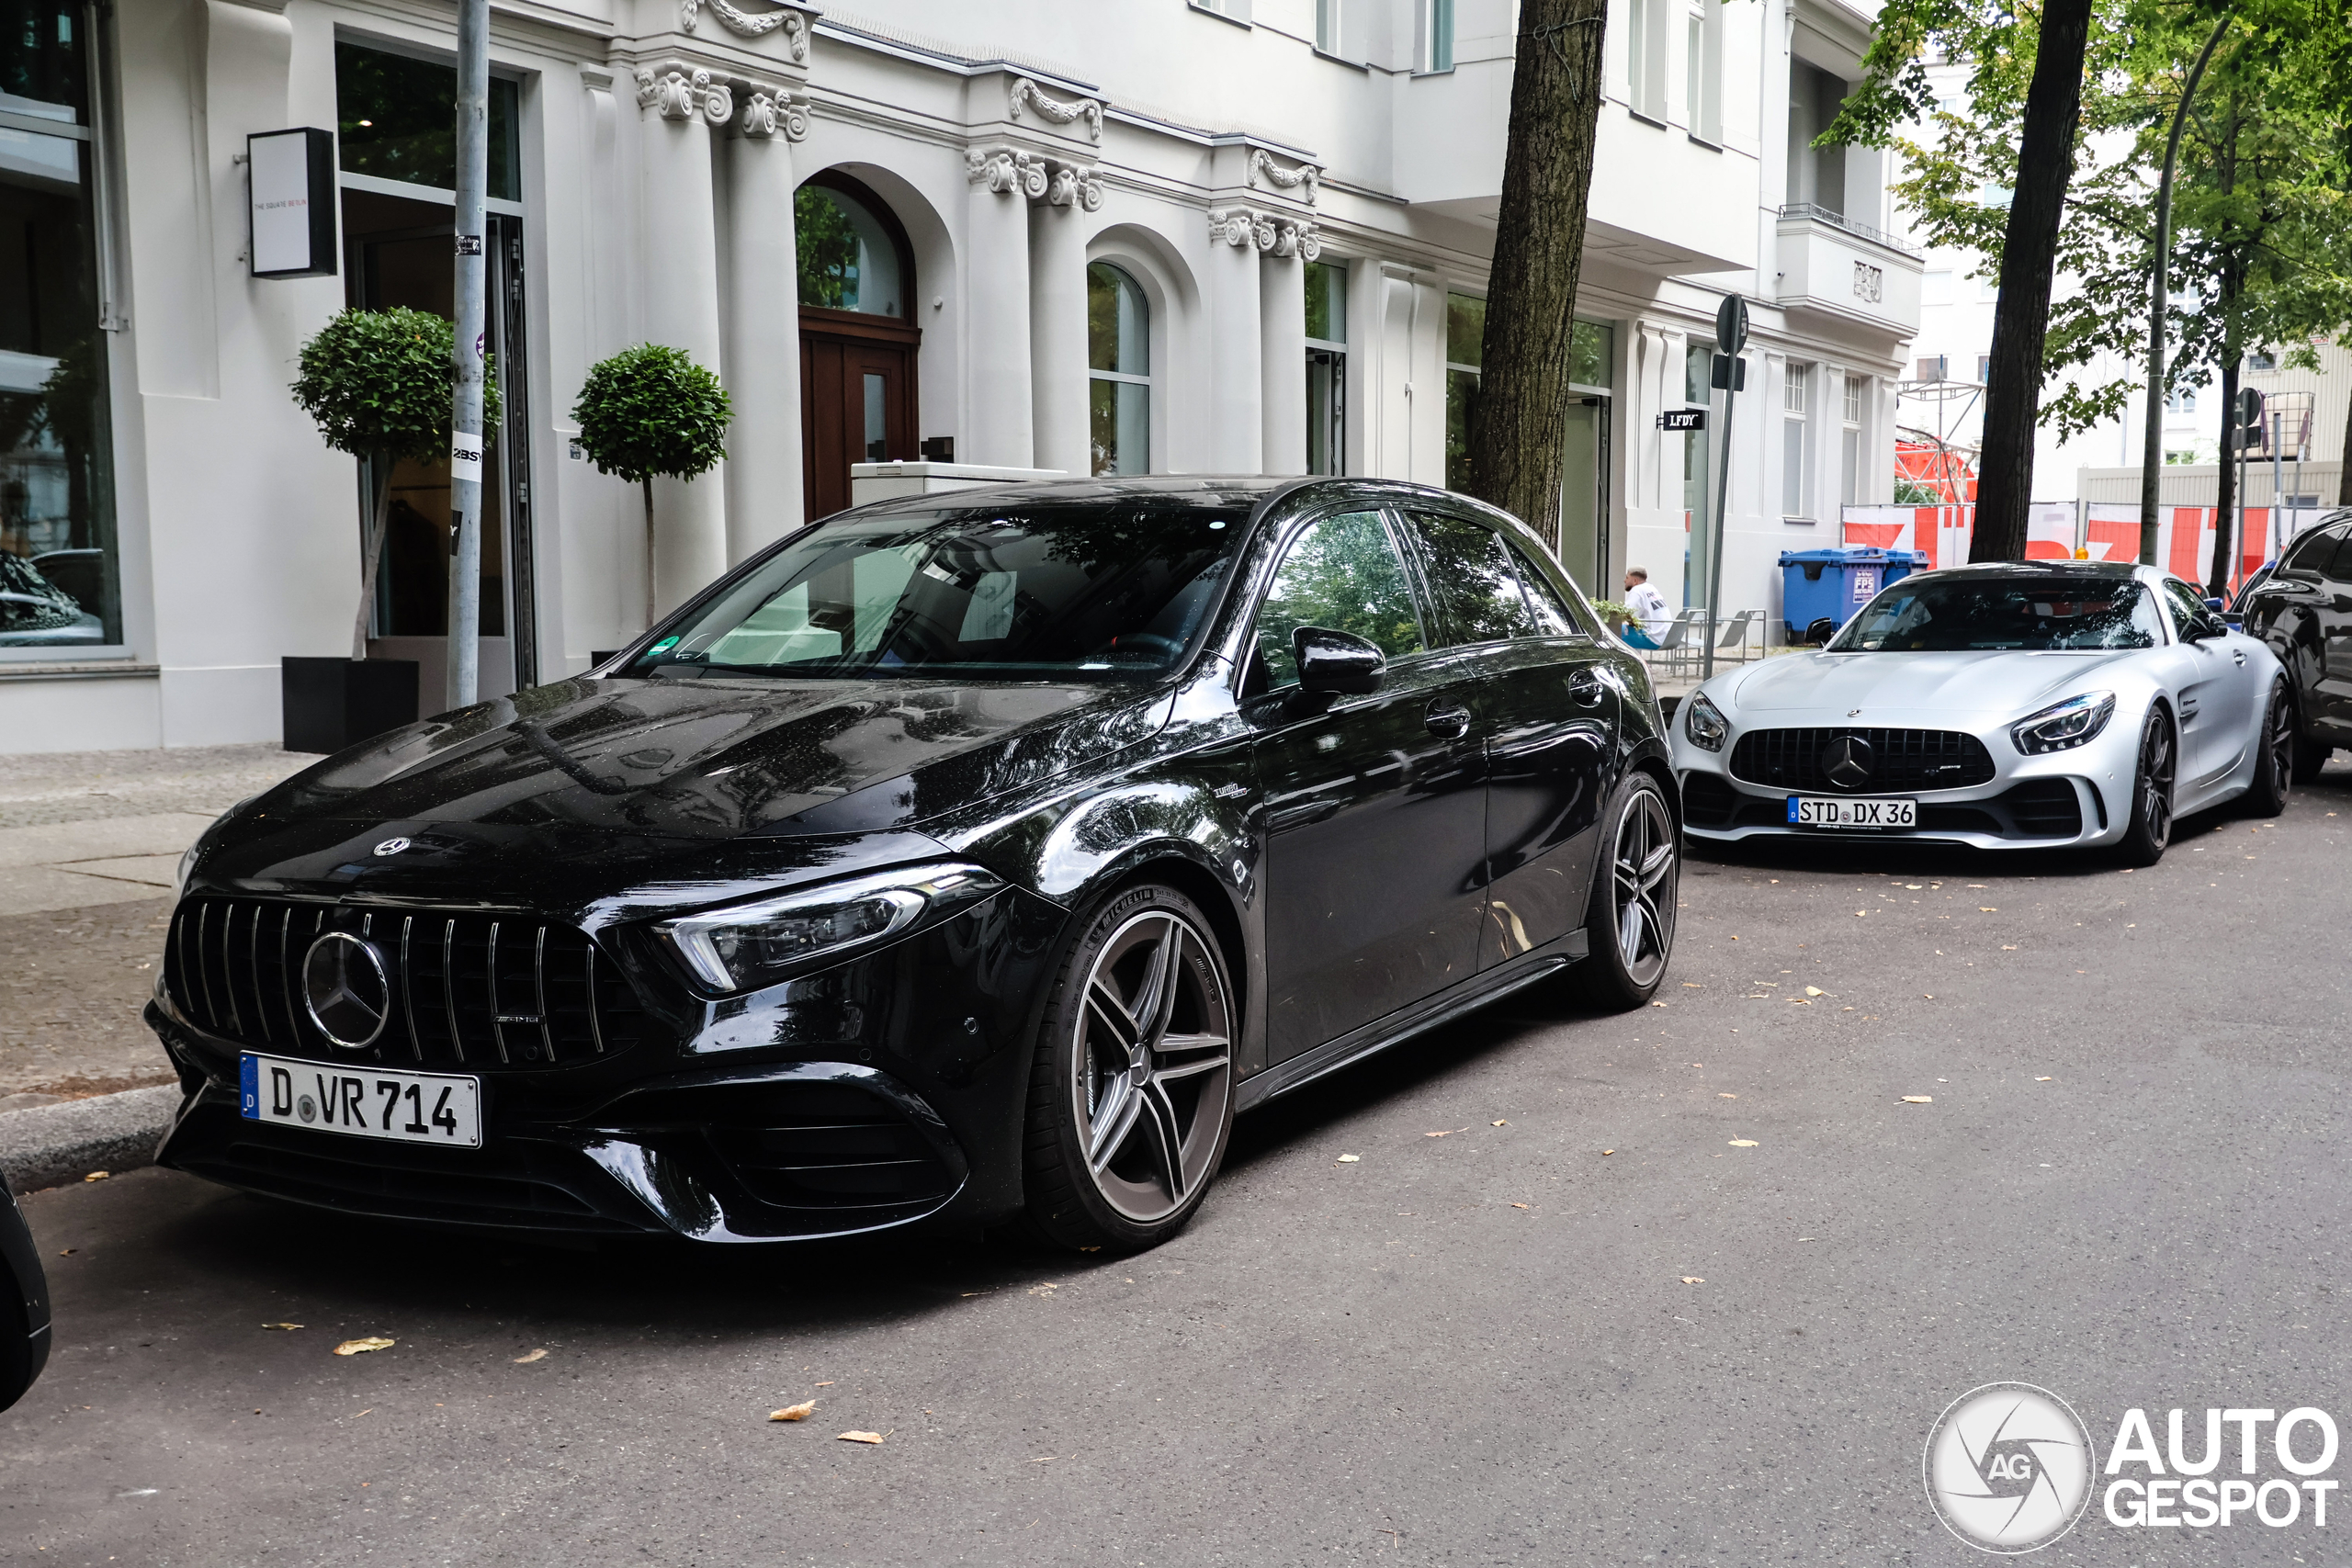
point(974, 856)
point(2304, 610)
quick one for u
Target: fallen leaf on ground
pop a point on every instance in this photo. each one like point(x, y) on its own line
point(1986, 909)
point(1349, 1159)
point(2008, 947)
point(69, 1252)
point(102, 1175)
point(1522, 1205)
point(1692, 1280)
point(529, 1357)
point(1503, 1123)
point(1657, 1004)
point(859, 1438)
point(1799, 1002)
point(1041, 1459)
point(1041, 1289)
point(1918, 1100)
point(827, 1384)
point(1608, 1151)
point(794, 1412)
point(1815, 991)
point(2041, 1080)
point(1450, 1132)
point(1743, 1142)
point(1719, 1095)
point(1930, 995)
point(1693, 985)
point(281, 1326)
point(353, 1347)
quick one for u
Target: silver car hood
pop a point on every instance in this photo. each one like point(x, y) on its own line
point(1995, 684)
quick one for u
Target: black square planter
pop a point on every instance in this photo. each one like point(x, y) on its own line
point(329, 704)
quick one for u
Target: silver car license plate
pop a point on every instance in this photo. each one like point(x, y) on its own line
point(362, 1102)
point(1816, 811)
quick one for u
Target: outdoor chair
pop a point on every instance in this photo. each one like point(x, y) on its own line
point(1734, 633)
point(1674, 649)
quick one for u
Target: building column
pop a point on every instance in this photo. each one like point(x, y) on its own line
point(998, 417)
point(1281, 330)
point(765, 497)
point(677, 104)
point(1057, 323)
point(1237, 352)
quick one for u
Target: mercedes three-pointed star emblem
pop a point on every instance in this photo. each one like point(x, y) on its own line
point(1849, 762)
point(346, 990)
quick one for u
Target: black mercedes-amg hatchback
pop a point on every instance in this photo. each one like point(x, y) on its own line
point(964, 858)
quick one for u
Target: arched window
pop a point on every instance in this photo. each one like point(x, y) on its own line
point(1118, 357)
point(849, 261)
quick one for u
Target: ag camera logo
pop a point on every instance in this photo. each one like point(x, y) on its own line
point(2008, 1467)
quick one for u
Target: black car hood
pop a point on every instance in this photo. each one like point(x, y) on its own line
point(716, 759)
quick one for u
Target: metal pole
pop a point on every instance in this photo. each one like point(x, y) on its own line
point(2237, 435)
point(2151, 447)
point(2278, 511)
point(465, 443)
point(1715, 534)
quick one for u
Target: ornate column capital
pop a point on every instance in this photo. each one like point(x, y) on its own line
point(1006, 170)
point(1073, 185)
point(770, 110)
point(1263, 167)
point(1025, 93)
point(747, 24)
point(1273, 233)
point(676, 90)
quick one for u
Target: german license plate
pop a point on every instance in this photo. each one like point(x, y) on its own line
point(1813, 811)
point(362, 1102)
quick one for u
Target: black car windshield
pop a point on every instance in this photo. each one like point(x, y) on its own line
point(1104, 591)
point(1954, 615)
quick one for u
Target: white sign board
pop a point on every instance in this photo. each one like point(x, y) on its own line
point(290, 176)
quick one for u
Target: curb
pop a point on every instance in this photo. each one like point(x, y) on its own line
point(46, 1145)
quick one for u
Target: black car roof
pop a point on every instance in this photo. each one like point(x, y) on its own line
point(2109, 569)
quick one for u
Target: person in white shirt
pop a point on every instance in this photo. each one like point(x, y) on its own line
point(1651, 617)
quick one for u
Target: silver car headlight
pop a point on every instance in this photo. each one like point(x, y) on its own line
point(2062, 726)
point(746, 945)
point(1704, 723)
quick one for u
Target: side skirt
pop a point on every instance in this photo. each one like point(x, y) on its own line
point(1468, 997)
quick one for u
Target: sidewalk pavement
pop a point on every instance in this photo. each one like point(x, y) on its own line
point(88, 845)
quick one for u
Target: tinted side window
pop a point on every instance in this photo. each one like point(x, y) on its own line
point(1472, 581)
point(2310, 552)
point(2338, 568)
point(1342, 574)
point(2183, 606)
point(1552, 616)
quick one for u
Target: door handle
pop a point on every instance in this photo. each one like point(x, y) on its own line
point(1447, 723)
point(1300, 816)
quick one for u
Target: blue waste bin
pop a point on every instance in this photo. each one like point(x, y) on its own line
point(1833, 584)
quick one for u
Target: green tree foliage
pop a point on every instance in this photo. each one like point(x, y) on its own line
point(380, 384)
point(651, 411)
point(1343, 574)
point(828, 247)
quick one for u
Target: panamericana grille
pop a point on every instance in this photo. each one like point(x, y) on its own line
point(1903, 761)
point(468, 988)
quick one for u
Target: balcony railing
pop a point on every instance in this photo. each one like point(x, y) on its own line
point(1860, 231)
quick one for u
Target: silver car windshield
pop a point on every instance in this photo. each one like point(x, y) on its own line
point(1960, 615)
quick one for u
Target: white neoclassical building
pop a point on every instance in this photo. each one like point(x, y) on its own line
point(1066, 235)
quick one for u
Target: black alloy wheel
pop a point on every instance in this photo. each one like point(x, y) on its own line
point(2149, 829)
point(1630, 924)
point(2274, 766)
point(1131, 1096)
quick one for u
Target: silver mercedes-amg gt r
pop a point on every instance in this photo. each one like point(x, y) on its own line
point(2028, 704)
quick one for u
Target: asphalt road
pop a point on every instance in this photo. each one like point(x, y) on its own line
point(1501, 1344)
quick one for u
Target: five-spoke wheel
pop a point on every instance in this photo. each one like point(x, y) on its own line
point(2150, 829)
point(1631, 926)
point(1133, 1098)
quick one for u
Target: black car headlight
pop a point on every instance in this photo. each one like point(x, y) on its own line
point(2064, 726)
point(747, 946)
point(1704, 723)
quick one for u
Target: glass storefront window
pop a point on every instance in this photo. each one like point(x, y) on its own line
point(1118, 358)
point(1326, 367)
point(58, 576)
point(1466, 335)
point(396, 120)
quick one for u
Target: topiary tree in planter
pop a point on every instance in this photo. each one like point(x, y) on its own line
point(380, 386)
point(648, 411)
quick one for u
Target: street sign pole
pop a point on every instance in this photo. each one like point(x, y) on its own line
point(1730, 371)
point(465, 443)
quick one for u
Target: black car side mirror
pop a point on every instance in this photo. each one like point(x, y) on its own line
point(2205, 624)
point(1336, 663)
point(1820, 632)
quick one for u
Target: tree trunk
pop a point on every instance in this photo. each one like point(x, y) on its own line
point(648, 483)
point(369, 559)
point(1516, 445)
point(2054, 106)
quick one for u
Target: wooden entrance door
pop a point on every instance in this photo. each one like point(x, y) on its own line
point(857, 399)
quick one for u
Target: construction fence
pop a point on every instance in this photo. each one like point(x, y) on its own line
point(2085, 530)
